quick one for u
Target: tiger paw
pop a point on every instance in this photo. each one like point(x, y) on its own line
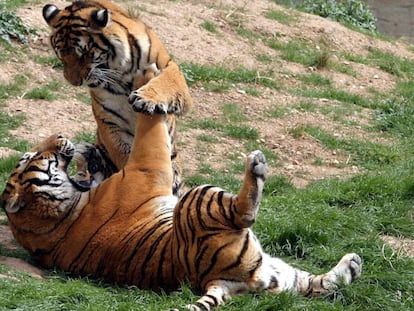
point(256, 162)
point(139, 104)
point(349, 268)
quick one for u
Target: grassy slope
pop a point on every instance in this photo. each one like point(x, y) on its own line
point(311, 228)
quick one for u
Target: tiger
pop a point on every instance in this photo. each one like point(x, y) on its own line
point(121, 60)
point(131, 229)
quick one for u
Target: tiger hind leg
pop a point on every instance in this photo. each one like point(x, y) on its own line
point(276, 276)
point(250, 194)
point(345, 272)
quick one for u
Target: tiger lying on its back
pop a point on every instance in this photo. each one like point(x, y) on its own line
point(117, 57)
point(131, 230)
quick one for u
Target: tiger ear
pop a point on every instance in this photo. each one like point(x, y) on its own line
point(49, 12)
point(13, 204)
point(100, 18)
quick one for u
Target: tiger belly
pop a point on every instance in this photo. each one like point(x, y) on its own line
point(138, 245)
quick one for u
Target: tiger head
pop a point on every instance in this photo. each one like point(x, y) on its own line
point(90, 40)
point(40, 187)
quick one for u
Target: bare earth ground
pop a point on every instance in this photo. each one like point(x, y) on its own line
point(178, 25)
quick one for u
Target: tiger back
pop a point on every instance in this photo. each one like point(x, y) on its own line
point(121, 61)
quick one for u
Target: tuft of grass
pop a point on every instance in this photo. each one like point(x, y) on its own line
point(241, 132)
point(334, 94)
point(40, 93)
point(246, 33)
point(51, 61)
point(264, 58)
point(342, 68)
point(280, 16)
point(208, 138)
point(277, 112)
point(232, 113)
point(363, 153)
point(386, 61)
point(396, 115)
point(209, 26)
point(6, 166)
point(299, 51)
point(219, 75)
point(391, 63)
point(8, 123)
point(315, 79)
point(13, 88)
point(252, 91)
point(305, 106)
point(87, 137)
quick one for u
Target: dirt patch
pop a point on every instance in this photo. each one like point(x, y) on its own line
point(21, 265)
point(402, 247)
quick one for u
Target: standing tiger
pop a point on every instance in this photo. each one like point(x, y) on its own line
point(120, 59)
point(131, 229)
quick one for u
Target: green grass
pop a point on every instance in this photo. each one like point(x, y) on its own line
point(51, 61)
point(363, 153)
point(300, 51)
point(310, 228)
point(264, 58)
point(232, 113)
point(334, 94)
point(40, 93)
point(315, 79)
point(277, 112)
point(220, 75)
point(13, 88)
point(246, 33)
point(280, 16)
point(386, 61)
point(8, 123)
point(209, 26)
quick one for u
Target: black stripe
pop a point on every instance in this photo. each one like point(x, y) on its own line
point(199, 206)
point(243, 251)
point(85, 246)
point(256, 265)
point(213, 262)
point(142, 240)
point(113, 112)
point(179, 226)
point(215, 301)
point(153, 249)
point(201, 306)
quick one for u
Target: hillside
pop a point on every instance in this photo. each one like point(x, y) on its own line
point(234, 44)
point(307, 91)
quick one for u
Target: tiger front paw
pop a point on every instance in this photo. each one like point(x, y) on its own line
point(140, 104)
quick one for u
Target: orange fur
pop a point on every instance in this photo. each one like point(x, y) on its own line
point(131, 230)
point(120, 59)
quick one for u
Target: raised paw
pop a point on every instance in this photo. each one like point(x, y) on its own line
point(349, 268)
point(145, 106)
point(256, 160)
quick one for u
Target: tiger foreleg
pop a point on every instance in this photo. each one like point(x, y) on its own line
point(165, 92)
